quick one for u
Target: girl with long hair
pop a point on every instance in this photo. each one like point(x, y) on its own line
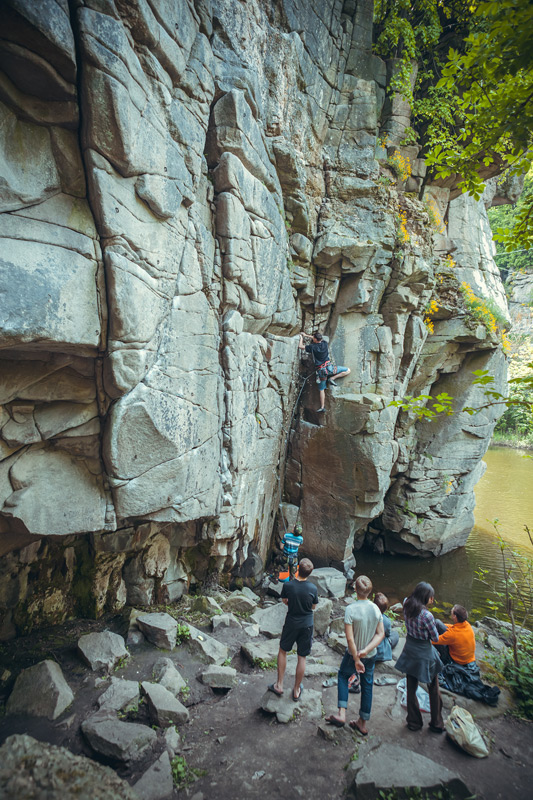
point(419, 660)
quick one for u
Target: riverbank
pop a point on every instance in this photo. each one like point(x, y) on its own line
point(233, 742)
point(517, 441)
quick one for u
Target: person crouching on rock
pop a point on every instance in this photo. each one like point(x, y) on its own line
point(419, 659)
point(301, 597)
point(364, 631)
point(457, 642)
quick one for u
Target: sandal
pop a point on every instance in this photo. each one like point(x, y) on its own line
point(332, 720)
point(355, 727)
point(294, 696)
point(329, 682)
point(272, 688)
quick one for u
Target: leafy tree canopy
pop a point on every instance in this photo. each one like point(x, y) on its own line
point(473, 99)
point(503, 218)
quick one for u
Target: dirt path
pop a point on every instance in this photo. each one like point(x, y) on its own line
point(244, 751)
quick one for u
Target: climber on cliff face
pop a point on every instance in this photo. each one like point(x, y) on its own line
point(324, 368)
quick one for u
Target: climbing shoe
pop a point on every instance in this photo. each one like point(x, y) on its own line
point(320, 410)
point(332, 383)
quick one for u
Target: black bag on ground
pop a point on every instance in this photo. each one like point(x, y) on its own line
point(466, 680)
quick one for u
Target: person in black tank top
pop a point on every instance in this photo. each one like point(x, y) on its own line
point(301, 598)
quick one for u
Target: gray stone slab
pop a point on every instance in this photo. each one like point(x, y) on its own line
point(156, 783)
point(41, 691)
point(166, 674)
point(261, 651)
point(390, 766)
point(164, 708)
point(286, 709)
point(206, 647)
point(219, 677)
point(239, 603)
point(270, 620)
point(119, 741)
point(32, 769)
point(328, 581)
point(225, 621)
point(102, 650)
point(120, 695)
point(159, 628)
point(322, 615)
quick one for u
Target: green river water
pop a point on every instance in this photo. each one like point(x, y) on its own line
point(505, 492)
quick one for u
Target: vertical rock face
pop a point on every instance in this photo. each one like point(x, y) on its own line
point(184, 185)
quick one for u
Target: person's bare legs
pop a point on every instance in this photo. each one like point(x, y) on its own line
point(322, 393)
point(341, 374)
point(282, 666)
point(298, 678)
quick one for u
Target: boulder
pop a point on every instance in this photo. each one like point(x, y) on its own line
point(265, 652)
point(159, 628)
point(322, 615)
point(389, 766)
point(102, 650)
point(205, 604)
point(116, 740)
point(270, 620)
point(166, 674)
point(206, 647)
point(250, 594)
point(337, 642)
point(328, 581)
point(172, 740)
point(156, 783)
point(41, 691)
point(238, 602)
point(337, 625)
point(120, 695)
point(164, 708)
point(274, 588)
point(32, 769)
point(225, 621)
point(251, 629)
point(285, 709)
point(219, 677)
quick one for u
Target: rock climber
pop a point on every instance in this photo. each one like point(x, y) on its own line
point(324, 368)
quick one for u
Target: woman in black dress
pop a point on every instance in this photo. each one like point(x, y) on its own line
point(419, 659)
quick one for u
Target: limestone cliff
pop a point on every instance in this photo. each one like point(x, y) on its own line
point(185, 185)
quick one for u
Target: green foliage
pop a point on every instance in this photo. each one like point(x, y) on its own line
point(416, 793)
point(183, 633)
point(404, 30)
point(519, 678)
point(259, 662)
point(471, 101)
point(518, 417)
point(182, 774)
point(489, 84)
point(502, 221)
point(516, 601)
point(422, 408)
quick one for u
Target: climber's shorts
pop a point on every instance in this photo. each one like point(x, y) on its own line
point(322, 384)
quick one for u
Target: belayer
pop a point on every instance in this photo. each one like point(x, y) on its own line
point(325, 370)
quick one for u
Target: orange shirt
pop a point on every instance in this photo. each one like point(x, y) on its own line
point(461, 642)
